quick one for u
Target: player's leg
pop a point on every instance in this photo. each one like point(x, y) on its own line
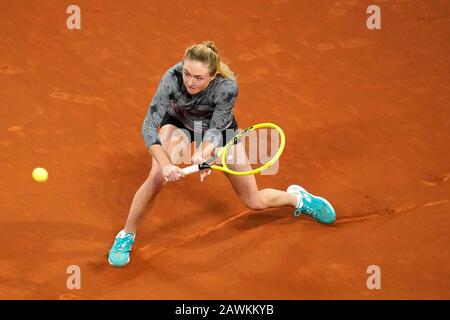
point(246, 187)
point(175, 145)
point(304, 202)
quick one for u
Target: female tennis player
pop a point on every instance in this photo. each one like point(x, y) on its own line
point(197, 95)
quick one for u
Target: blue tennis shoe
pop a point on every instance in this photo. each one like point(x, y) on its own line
point(119, 255)
point(316, 207)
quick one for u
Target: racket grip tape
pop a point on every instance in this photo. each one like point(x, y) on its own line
point(191, 169)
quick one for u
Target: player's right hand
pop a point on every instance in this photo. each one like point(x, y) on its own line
point(172, 173)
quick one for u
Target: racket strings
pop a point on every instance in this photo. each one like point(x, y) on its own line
point(254, 149)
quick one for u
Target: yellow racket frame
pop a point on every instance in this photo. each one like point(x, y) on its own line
point(222, 153)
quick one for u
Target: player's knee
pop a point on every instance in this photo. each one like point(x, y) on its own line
point(156, 183)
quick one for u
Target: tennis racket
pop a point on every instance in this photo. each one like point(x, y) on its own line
point(254, 139)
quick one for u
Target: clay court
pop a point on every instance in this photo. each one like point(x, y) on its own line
point(366, 117)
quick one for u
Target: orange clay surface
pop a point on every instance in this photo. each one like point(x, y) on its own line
point(366, 115)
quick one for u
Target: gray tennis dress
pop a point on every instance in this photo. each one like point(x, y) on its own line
point(210, 111)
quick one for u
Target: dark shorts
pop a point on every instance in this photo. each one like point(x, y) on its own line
point(227, 134)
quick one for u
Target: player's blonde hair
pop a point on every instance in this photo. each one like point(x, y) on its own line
point(208, 54)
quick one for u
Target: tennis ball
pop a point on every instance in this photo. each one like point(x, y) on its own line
point(40, 175)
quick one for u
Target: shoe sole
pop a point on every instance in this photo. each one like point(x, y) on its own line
point(118, 266)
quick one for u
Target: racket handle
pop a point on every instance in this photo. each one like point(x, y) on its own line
point(191, 169)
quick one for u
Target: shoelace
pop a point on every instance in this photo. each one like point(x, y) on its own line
point(310, 210)
point(124, 244)
point(318, 210)
point(308, 207)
